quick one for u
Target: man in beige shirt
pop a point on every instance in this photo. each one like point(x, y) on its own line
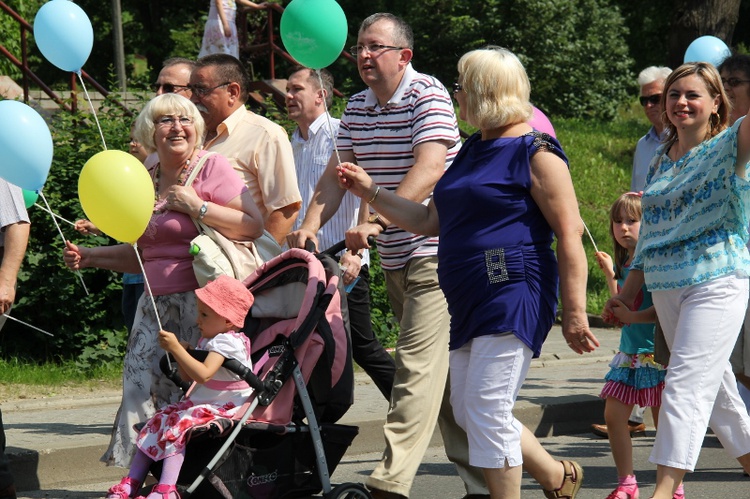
point(258, 149)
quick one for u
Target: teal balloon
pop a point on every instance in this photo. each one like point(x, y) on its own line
point(64, 35)
point(313, 31)
point(25, 145)
point(707, 49)
point(29, 197)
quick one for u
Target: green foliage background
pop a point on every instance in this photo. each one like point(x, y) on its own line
point(581, 55)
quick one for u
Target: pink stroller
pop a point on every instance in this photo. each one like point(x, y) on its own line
point(286, 444)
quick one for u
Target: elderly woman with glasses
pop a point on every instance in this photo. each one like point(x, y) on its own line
point(496, 265)
point(172, 126)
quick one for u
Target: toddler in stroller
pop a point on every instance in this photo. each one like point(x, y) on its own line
point(217, 393)
point(286, 442)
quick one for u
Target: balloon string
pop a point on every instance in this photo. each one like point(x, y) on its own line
point(150, 294)
point(91, 105)
point(328, 116)
point(54, 214)
point(28, 325)
point(49, 210)
point(589, 233)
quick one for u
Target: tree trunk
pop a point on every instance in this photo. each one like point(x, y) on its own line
point(694, 18)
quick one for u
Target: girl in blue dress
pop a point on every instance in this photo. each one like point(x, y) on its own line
point(634, 377)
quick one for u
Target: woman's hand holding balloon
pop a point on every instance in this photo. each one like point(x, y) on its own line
point(74, 256)
point(354, 178)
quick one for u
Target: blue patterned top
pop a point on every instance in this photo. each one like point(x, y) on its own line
point(695, 216)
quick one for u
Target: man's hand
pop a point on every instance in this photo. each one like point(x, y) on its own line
point(7, 293)
point(356, 237)
point(298, 238)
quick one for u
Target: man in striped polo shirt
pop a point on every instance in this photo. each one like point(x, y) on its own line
point(312, 145)
point(402, 130)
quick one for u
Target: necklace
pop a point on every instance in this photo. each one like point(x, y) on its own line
point(184, 174)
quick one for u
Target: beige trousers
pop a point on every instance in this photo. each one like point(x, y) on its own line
point(420, 396)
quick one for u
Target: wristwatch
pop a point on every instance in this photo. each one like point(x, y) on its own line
point(203, 210)
point(375, 219)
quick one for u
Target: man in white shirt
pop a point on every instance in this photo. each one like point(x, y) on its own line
point(307, 96)
point(651, 80)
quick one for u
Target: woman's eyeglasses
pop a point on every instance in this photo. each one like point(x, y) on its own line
point(171, 121)
point(168, 88)
point(651, 99)
point(457, 87)
point(733, 82)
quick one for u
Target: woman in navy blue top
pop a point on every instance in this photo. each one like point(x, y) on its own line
point(497, 210)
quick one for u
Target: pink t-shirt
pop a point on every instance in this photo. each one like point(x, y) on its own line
point(165, 244)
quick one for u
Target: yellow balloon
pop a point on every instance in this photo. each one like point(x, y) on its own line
point(117, 194)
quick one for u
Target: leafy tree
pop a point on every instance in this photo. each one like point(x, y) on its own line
point(574, 50)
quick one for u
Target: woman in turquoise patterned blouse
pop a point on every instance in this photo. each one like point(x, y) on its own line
point(691, 254)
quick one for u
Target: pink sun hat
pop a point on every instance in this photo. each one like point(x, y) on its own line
point(228, 297)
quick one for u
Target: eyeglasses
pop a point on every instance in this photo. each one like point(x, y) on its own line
point(651, 99)
point(204, 91)
point(457, 87)
point(169, 88)
point(355, 50)
point(170, 121)
point(733, 82)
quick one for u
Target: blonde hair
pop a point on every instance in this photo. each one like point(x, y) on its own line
point(630, 202)
point(166, 105)
point(497, 88)
point(710, 77)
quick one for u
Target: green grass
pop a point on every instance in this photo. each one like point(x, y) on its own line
point(18, 371)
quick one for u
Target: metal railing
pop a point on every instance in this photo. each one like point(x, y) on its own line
point(28, 75)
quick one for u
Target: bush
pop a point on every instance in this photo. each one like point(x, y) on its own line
point(49, 295)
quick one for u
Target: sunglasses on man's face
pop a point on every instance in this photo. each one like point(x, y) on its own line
point(650, 99)
point(733, 82)
point(169, 88)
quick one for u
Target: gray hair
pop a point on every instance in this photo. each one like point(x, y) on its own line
point(652, 74)
point(403, 36)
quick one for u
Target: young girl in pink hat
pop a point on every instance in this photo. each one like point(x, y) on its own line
point(219, 393)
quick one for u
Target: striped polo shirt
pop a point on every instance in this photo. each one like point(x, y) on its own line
point(383, 138)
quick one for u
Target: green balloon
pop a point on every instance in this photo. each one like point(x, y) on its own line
point(314, 31)
point(29, 197)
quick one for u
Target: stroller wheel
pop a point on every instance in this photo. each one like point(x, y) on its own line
point(349, 491)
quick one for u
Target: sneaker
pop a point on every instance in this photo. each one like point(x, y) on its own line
point(624, 492)
point(678, 495)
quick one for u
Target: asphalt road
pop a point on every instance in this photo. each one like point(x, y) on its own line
point(717, 475)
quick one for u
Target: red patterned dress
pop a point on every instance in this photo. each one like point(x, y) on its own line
point(166, 433)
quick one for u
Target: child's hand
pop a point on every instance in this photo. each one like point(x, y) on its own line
point(605, 263)
point(168, 341)
point(621, 312)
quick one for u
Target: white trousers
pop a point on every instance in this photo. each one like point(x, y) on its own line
point(486, 375)
point(701, 324)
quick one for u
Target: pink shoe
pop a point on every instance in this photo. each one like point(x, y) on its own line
point(120, 491)
point(679, 494)
point(624, 492)
point(164, 490)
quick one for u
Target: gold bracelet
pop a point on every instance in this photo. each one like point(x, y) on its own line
point(377, 191)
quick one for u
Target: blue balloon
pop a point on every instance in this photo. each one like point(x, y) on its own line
point(64, 35)
point(25, 145)
point(707, 49)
